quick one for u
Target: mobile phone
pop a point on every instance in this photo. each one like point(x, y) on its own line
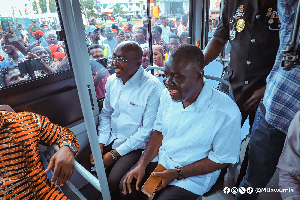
point(152, 182)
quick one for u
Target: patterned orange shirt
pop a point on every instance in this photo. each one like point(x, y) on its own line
point(21, 167)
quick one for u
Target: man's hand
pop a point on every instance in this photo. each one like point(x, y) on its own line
point(108, 160)
point(253, 101)
point(167, 177)
point(91, 156)
point(138, 173)
point(63, 163)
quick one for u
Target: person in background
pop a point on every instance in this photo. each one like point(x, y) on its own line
point(158, 56)
point(140, 35)
point(166, 31)
point(55, 48)
point(51, 38)
point(184, 38)
point(110, 40)
point(174, 43)
point(32, 40)
point(183, 25)
point(146, 56)
point(11, 76)
point(95, 51)
point(34, 27)
point(156, 38)
point(177, 23)
point(23, 175)
point(129, 27)
point(40, 39)
point(12, 58)
point(173, 27)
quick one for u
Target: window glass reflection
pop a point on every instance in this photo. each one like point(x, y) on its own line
point(30, 47)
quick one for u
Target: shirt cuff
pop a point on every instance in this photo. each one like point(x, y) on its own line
point(123, 149)
point(103, 138)
point(216, 159)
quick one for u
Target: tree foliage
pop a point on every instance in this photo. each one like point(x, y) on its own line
point(43, 5)
point(88, 8)
point(118, 10)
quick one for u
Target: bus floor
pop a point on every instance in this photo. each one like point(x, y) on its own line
point(217, 192)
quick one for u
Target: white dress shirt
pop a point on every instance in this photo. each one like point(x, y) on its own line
point(209, 127)
point(129, 111)
point(166, 32)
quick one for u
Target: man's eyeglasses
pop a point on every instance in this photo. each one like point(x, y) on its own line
point(120, 60)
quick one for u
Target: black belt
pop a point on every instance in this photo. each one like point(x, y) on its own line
point(262, 107)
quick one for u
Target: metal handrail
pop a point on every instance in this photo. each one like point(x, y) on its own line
point(84, 173)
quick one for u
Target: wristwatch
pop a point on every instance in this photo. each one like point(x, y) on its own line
point(180, 176)
point(113, 155)
point(71, 146)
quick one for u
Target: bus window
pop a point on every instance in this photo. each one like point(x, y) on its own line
point(30, 46)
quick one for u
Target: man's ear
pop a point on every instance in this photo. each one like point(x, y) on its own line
point(200, 75)
point(139, 62)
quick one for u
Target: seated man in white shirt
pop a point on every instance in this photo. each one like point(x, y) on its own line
point(128, 114)
point(196, 133)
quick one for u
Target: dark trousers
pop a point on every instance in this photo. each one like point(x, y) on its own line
point(170, 192)
point(117, 171)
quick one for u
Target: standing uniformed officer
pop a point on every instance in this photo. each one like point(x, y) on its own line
point(252, 28)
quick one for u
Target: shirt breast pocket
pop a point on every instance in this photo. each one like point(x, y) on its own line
point(135, 111)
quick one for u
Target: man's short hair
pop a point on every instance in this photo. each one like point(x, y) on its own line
point(133, 45)
point(163, 17)
point(158, 29)
point(175, 37)
point(177, 19)
point(189, 54)
point(185, 17)
point(184, 34)
point(95, 46)
point(143, 29)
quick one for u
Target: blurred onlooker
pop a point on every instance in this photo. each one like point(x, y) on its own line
point(140, 35)
point(146, 55)
point(32, 40)
point(11, 76)
point(153, 21)
point(183, 26)
point(55, 48)
point(51, 38)
point(93, 36)
point(183, 38)
point(166, 31)
point(100, 75)
point(156, 37)
point(95, 51)
point(12, 57)
point(110, 40)
point(115, 33)
point(34, 27)
point(40, 39)
point(128, 27)
point(173, 27)
point(215, 22)
point(174, 43)
point(123, 36)
point(158, 56)
point(24, 33)
point(177, 24)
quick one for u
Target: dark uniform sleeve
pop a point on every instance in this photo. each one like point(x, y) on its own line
point(53, 134)
point(222, 29)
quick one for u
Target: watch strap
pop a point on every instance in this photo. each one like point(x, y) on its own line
point(113, 155)
point(179, 172)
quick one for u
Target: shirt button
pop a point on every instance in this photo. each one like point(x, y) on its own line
point(253, 40)
point(257, 16)
point(248, 62)
point(246, 82)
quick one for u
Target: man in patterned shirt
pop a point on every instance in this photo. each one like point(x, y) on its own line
point(22, 174)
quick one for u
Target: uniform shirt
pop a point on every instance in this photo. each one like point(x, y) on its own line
point(166, 32)
point(282, 95)
point(129, 111)
point(253, 49)
point(209, 127)
point(20, 163)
